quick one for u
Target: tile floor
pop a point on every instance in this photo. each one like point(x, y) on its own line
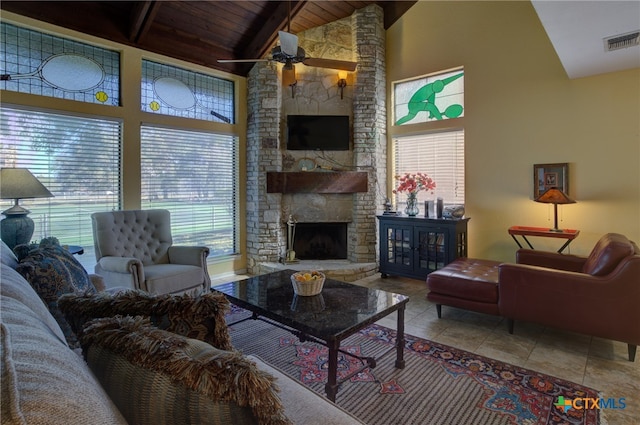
point(594, 362)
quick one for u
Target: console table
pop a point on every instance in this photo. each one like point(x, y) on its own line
point(416, 246)
point(543, 232)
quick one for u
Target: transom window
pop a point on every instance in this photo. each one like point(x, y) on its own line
point(429, 98)
point(36, 63)
point(170, 90)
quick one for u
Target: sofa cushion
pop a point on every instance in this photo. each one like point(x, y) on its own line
point(156, 377)
point(467, 278)
point(200, 317)
point(161, 278)
point(7, 257)
point(16, 287)
point(607, 254)
point(52, 271)
point(43, 381)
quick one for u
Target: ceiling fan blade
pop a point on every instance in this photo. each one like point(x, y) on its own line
point(331, 63)
point(288, 43)
point(241, 60)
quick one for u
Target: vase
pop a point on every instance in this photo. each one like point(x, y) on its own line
point(412, 205)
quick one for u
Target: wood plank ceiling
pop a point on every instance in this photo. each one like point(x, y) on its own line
point(199, 32)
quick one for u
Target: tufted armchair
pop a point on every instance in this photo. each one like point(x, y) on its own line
point(134, 249)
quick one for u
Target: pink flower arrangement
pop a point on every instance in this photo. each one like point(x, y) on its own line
point(414, 182)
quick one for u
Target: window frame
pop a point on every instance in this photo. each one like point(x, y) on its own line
point(451, 187)
point(70, 209)
point(172, 195)
point(132, 118)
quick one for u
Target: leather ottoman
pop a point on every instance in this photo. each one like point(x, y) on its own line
point(467, 283)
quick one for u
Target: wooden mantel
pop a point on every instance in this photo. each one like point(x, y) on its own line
point(317, 182)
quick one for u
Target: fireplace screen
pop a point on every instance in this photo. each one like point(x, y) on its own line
point(320, 241)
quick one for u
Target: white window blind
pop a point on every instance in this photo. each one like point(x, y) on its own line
point(194, 175)
point(76, 158)
point(441, 156)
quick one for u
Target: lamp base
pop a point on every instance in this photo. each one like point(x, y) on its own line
point(16, 229)
point(556, 230)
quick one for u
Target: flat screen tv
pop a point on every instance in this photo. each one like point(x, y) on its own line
point(318, 132)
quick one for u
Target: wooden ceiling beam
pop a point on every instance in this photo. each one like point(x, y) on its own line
point(266, 37)
point(142, 18)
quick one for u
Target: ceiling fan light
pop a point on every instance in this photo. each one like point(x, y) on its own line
point(289, 75)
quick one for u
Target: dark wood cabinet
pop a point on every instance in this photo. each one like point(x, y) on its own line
point(415, 246)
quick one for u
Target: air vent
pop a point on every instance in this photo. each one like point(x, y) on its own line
point(622, 41)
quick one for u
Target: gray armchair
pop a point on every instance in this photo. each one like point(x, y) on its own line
point(134, 249)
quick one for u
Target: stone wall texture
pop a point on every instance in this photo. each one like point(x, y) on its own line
point(360, 38)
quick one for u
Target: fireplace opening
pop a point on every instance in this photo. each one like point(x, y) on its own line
point(320, 241)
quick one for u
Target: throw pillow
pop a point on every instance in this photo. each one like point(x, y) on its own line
point(52, 271)
point(156, 377)
point(198, 317)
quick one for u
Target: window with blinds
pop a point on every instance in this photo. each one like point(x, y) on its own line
point(76, 158)
point(194, 175)
point(441, 156)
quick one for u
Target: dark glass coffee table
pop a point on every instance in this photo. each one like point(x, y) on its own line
point(341, 310)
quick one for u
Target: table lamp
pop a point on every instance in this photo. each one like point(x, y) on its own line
point(555, 196)
point(18, 183)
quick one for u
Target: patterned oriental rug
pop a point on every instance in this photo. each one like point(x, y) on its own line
point(439, 385)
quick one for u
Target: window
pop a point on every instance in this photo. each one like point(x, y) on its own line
point(430, 98)
point(191, 172)
point(42, 64)
point(441, 156)
point(76, 158)
point(194, 175)
point(170, 90)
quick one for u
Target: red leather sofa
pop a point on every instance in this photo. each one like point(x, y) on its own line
point(597, 295)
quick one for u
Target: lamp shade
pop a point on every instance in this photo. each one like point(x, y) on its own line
point(19, 183)
point(554, 196)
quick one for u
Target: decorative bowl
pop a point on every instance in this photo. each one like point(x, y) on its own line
point(307, 284)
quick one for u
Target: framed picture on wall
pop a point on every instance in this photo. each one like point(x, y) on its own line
point(546, 176)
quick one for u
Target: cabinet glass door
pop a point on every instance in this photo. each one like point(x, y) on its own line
point(399, 245)
point(431, 248)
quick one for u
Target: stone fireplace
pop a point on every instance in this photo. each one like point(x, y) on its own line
point(347, 188)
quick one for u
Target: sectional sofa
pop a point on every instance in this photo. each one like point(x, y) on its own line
point(169, 378)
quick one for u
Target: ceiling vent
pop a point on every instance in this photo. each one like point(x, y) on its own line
point(622, 41)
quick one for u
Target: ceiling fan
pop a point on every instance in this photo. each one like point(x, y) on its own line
point(289, 53)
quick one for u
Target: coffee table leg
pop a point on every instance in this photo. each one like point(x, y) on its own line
point(331, 388)
point(399, 339)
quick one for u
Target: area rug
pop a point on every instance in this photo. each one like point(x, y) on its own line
point(439, 385)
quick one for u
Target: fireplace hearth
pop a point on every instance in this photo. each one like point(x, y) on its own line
point(320, 241)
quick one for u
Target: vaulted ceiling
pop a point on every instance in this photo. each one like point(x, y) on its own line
point(204, 31)
point(199, 32)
